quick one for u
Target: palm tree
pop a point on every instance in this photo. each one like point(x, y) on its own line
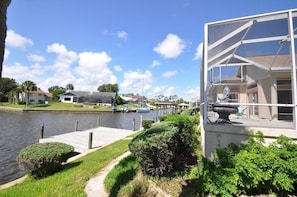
point(14, 95)
point(27, 87)
point(3, 28)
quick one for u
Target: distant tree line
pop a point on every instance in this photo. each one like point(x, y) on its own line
point(10, 90)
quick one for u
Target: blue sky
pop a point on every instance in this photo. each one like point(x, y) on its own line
point(148, 47)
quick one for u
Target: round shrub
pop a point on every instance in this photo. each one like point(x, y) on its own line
point(165, 146)
point(147, 123)
point(162, 117)
point(191, 111)
point(43, 159)
point(156, 148)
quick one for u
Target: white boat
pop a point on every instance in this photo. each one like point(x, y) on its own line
point(143, 109)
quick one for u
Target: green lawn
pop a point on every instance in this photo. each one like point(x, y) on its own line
point(57, 106)
point(72, 179)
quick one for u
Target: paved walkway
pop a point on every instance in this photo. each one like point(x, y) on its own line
point(95, 186)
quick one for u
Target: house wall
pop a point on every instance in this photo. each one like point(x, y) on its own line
point(66, 99)
point(267, 91)
point(220, 136)
point(36, 98)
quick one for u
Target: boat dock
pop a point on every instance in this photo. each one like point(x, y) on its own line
point(83, 141)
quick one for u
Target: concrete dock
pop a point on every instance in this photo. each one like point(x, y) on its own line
point(101, 136)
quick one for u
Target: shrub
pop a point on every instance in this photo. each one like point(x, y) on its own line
point(165, 146)
point(188, 136)
point(154, 148)
point(43, 159)
point(250, 168)
point(147, 123)
point(191, 111)
point(162, 117)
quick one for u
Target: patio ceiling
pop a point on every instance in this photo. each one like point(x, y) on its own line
point(263, 41)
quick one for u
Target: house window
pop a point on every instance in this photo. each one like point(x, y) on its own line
point(234, 92)
point(252, 91)
point(284, 96)
point(67, 99)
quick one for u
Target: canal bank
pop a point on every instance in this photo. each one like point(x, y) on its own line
point(19, 130)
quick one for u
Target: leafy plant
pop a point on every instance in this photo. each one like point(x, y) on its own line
point(162, 117)
point(165, 147)
point(147, 123)
point(154, 148)
point(251, 168)
point(43, 159)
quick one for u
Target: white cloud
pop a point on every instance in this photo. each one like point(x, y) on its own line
point(136, 82)
point(22, 73)
point(93, 70)
point(6, 54)
point(36, 58)
point(171, 47)
point(169, 73)
point(192, 93)
point(155, 63)
point(169, 91)
point(15, 40)
point(164, 90)
point(118, 68)
point(199, 52)
point(64, 57)
point(122, 35)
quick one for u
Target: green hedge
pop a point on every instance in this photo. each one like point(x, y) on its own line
point(43, 159)
point(154, 148)
point(162, 117)
point(191, 111)
point(250, 169)
point(163, 147)
point(147, 123)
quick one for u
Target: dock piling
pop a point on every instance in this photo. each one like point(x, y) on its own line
point(41, 131)
point(90, 140)
point(76, 125)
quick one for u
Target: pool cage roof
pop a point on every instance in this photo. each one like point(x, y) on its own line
point(267, 41)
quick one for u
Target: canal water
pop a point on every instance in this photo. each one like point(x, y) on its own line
point(21, 129)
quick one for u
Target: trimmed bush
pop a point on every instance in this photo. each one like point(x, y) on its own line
point(251, 169)
point(43, 159)
point(191, 111)
point(188, 135)
point(155, 149)
point(164, 147)
point(147, 123)
point(162, 117)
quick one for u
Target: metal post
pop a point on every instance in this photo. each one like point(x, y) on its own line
point(90, 140)
point(41, 131)
point(76, 125)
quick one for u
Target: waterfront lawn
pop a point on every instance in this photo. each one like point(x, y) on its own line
point(72, 180)
point(12, 105)
point(57, 106)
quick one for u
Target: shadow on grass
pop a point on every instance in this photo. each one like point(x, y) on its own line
point(124, 177)
point(71, 165)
